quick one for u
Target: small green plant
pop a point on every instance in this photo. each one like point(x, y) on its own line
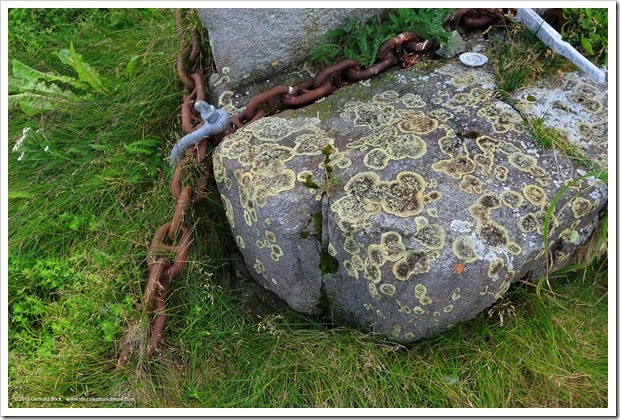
point(521, 59)
point(360, 41)
point(587, 30)
point(549, 215)
point(551, 138)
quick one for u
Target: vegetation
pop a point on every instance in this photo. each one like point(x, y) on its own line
point(360, 41)
point(587, 30)
point(522, 59)
point(88, 187)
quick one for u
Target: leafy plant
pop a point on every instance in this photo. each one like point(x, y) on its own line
point(587, 30)
point(360, 41)
point(35, 91)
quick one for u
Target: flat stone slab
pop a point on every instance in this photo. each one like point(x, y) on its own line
point(408, 203)
point(251, 45)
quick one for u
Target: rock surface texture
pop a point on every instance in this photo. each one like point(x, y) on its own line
point(409, 203)
point(251, 45)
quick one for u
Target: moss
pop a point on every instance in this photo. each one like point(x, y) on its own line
point(310, 183)
point(329, 264)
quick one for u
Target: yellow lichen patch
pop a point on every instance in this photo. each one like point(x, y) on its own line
point(585, 95)
point(441, 115)
point(502, 289)
point(448, 308)
point(513, 248)
point(479, 212)
point(387, 97)
point(259, 267)
point(421, 294)
point(432, 212)
point(312, 143)
point(240, 242)
point(456, 167)
point(357, 262)
point(409, 336)
point(376, 159)
point(525, 163)
point(418, 310)
point(403, 197)
point(276, 252)
point(488, 144)
point(456, 294)
point(528, 223)
point(374, 293)
point(331, 250)
point(535, 195)
point(376, 255)
point(492, 233)
point(451, 145)
point(463, 248)
point(372, 273)
point(368, 114)
point(228, 208)
point(495, 267)
point(348, 265)
point(408, 146)
point(411, 100)
point(485, 161)
point(502, 118)
point(416, 122)
point(387, 289)
point(501, 173)
point(392, 246)
point(431, 236)
point(581, 206)
point(414, 262)
point(595, 132)
point(511, 199)
point(351, 246)
point(489, 200)
point(471, 184)
point(274, 129)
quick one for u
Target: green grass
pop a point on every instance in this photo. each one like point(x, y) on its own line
point(82, 214)
point(520, 59)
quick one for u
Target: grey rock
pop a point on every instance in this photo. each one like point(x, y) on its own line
point(405, 205)
point(251, 45)
point(453, 47)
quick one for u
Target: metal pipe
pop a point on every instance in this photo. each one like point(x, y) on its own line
point(215, 121)
point(553, 40)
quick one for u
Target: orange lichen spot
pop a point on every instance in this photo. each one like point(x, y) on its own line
point(459, 268)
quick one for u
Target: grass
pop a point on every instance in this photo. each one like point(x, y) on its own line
point(82, 214)
point(522, 59)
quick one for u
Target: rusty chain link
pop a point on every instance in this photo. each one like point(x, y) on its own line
point(404, 48)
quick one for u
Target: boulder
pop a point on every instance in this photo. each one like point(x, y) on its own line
point(245, 52)
point(409, 203)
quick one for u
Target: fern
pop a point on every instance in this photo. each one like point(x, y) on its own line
point(361, 41)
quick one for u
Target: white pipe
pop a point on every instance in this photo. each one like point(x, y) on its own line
point(553, 40)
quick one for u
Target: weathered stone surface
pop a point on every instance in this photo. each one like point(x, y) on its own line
point(453, 47)
point(246, 52)
point(405, 204)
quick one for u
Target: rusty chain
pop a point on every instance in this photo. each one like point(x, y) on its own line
point(405, 48)
point(171, 244)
